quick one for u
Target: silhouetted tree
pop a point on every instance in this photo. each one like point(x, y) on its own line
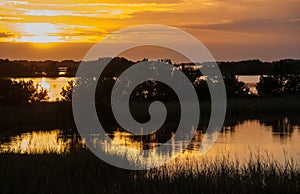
point(234, 87)
point(166, 60)
point(202, 89)
point(278, 85)
point(66, 92)
point(292, 85)
point(153, 90)
point(270, 85)
point(21, 92)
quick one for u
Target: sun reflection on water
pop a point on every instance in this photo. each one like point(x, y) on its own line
point(240, 143)
point(37, 142)
point(234, 144)
point(130, 148)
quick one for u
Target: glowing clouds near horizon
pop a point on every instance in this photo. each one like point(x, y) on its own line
point(265, 29)
point(38, 32)
point(69, 21)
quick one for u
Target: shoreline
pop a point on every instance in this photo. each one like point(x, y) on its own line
point(59, 114)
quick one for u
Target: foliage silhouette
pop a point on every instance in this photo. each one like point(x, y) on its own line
point(66, 92)
point(16, 93)
point(278, 85)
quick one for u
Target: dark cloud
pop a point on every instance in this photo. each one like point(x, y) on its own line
point(6, 35)
point(77, 51)
point(253, 26)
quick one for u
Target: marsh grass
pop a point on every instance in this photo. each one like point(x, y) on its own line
point(81, 172)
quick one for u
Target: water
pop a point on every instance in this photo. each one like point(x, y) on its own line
point(249, 78)
point(36, 142)
point(53, 85)
point(274, 138)
point(250, 82)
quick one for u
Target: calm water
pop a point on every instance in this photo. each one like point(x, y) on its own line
point(250, 81)
point(277, 137)
point(55, 85)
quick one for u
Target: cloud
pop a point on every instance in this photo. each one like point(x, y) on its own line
point(118, 10)
point(253, 26)
point(97, 14)
point(7, 18)
point(246, 24)
point(6, 35)
point(97, 2)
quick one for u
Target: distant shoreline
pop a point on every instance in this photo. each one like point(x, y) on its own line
point(68, 68)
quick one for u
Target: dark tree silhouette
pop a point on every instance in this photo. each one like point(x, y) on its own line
point(14, 93)
point(292, 86)
point(151, 90)
point(66, 92)
point(234, 87)
point(279, 85)
point(202, 90)
point(270, 85)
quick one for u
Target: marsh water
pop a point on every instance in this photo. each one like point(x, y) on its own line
point(53, 85)
point(273, 138)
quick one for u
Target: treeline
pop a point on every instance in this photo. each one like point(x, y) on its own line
point(24, 68)
point(281, 83)
point(68, 68)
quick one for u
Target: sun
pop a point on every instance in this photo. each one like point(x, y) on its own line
point(41, 33)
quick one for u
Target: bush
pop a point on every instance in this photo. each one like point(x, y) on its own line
point(278, 85)
point(15, 93)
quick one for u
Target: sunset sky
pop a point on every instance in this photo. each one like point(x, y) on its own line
point(231, 29)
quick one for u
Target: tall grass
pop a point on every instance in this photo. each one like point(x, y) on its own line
point(81, 172)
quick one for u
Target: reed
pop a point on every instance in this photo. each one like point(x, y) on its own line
point(81, 172)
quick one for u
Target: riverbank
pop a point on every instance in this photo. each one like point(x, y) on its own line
point(38, 115)
point(51, 115)
point(59, 114)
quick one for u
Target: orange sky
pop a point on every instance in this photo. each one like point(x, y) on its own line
point(231, 29)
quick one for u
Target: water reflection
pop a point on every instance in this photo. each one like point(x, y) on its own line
point(39, 142)
point(238, 140)
point(124, 146)
point(282, 128)
point(241, 143)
